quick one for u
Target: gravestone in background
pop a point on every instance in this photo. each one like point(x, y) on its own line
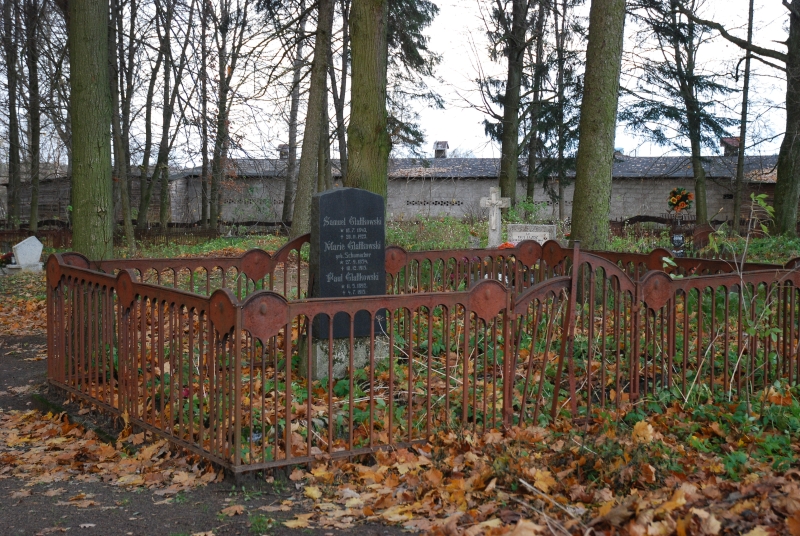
point(27, 256)
point(347, 259)
point(517, 232)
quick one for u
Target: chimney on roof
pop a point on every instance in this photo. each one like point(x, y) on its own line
point(440, 149)
point(283, 149)
point(730, 146)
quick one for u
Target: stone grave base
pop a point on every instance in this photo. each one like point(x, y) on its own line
point(341, 355)
point(16, 268)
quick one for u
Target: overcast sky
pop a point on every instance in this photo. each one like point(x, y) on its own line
point(458, 35)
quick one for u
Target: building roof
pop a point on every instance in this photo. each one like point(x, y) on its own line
point(757, 168)
point(681, 166)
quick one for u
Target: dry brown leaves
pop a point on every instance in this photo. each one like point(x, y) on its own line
point(532, 482)
point(22, 316)
point(49, 448)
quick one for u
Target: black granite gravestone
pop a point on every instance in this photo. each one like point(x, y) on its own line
point(347, 254)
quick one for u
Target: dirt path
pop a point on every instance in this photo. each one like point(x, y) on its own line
point(84, 505)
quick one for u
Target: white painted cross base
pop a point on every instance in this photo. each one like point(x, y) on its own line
point(494, 202)
point(341, 356)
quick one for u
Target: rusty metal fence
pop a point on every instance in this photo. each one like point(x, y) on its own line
point(228, 358)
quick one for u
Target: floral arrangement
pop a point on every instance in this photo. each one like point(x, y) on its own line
point(5, 259)
point(680, 199)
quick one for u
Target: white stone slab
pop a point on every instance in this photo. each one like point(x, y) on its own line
point(517, 232)
point(27, 255)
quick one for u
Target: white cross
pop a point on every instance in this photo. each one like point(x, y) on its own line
point(494, 202)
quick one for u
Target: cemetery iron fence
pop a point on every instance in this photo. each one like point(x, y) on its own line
point(226, 356)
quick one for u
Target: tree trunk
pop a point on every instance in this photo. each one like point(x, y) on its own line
point(219, 159)
point(787, 187)
point(291, 164)
point(120, 174)
point(10, 31)
point(339, 96)
point(90, 103)
point(700, 195)
point(204, 120)
point(145, 185)
point(684, 54)
point(509, 140)
point(127, 60)
point(164, 214)
point(315, 116)
point(367, 138)
point(592, 201)
point(560, 104)
point(536, 106)
point(324, 156)
point(34, 111)
point(739, 186)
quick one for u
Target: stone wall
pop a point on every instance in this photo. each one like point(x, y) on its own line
point(247, 200)
point(242, 200)
point(412, 198)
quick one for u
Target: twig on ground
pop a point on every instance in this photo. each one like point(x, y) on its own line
point(553, 502)
point(547, 518)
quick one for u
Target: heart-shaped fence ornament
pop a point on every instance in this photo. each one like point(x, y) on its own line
point(487, 299)
point(124, 288)
point(222, 311)
point(255, 264)
point(264, 314)
point(396, 259)
point(657, 289)
point(529, 252)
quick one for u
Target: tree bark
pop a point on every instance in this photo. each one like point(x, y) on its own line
point(231, 23)
point(591, 205)
point(339, 96)
point(684, 55)
point(509, 141)
point(315, 116)
point(120, 173)
point(560, 31)
point(294, 107)
point(32, 16)
point(10, 32)
point(90, 103)
point(204, 112)
point(739, 185)
point(368, 142)
point(324, 175)
point(787, 187)
point(536, 106)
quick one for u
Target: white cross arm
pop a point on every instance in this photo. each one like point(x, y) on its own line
point(503, 202)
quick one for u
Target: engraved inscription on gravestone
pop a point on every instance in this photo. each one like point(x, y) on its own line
point(347, 254)
point(517, 232)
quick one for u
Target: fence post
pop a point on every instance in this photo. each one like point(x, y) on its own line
point(638, 299)
point(568, 343)
point(237, 382)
